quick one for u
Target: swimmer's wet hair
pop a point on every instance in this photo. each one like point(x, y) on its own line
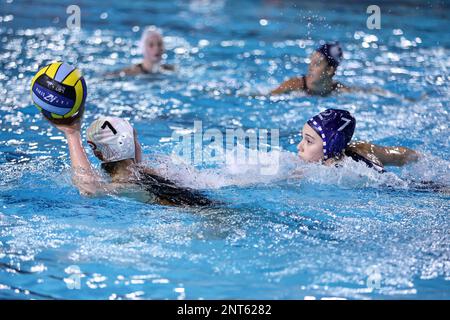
point(110, 167)
point(165, 190)
point(169, 193)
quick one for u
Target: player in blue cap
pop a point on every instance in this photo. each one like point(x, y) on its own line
point(327, 138)
point(321, 70)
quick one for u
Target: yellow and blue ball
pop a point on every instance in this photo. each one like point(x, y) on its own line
point(59, 92)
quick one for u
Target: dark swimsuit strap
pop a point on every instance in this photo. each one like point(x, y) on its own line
point(141, 66)
point(305, 86)
point(357, 157)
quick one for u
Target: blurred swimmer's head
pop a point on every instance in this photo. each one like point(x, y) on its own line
point(325, 60)
point(152, 44)
point(112, 139)
point(326, 135)
point(332, 52)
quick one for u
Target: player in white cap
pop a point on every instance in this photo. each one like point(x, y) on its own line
point(152, 46)
point(114, 142)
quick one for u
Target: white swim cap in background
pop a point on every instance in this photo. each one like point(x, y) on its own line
point(150, 31)
point(113, 137)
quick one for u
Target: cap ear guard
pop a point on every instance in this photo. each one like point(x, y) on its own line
point(92, 145)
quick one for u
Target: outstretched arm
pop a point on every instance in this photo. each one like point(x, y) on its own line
point(128, 71)
point(83, 175)
point(388, 156)
point(289, 85)
point(342, 88)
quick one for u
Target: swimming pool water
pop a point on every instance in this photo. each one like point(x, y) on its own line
point(336, 233)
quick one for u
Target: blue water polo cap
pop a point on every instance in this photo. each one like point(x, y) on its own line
point(336, 128)
point(332, 52)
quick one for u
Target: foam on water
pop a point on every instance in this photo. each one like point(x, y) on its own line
point(289, 169)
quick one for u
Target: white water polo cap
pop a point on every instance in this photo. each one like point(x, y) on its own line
point(113, 137)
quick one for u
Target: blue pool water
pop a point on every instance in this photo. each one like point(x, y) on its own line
point(335, 233)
